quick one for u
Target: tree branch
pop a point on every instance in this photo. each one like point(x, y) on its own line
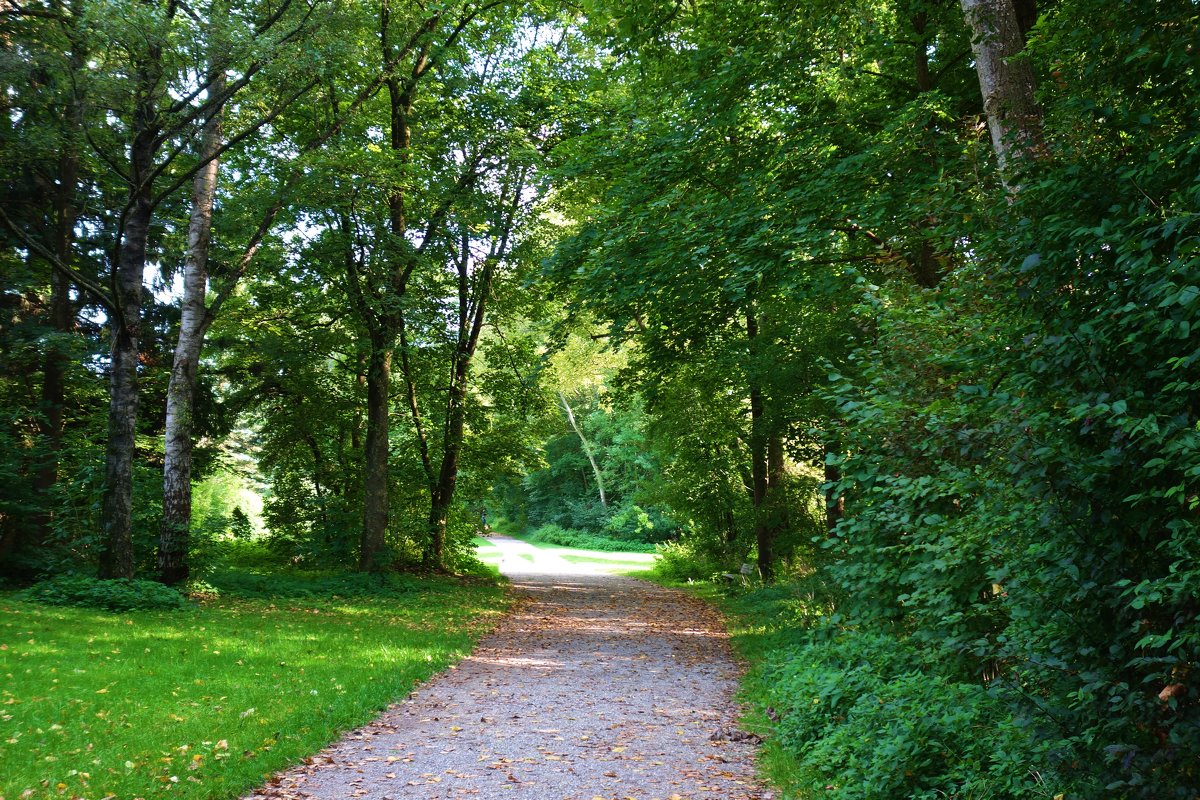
point(413, 407)
point(36, 247)
point(233, 142)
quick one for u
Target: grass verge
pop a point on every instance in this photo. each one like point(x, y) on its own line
point(606, 560)
point(208, 701)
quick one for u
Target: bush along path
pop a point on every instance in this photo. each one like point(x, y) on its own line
point(596, 686)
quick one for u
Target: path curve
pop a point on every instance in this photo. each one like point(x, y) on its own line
point(595, 686)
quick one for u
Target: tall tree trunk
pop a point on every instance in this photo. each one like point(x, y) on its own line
point(384, 325)
point(442, 494)
point(62, 317)
point(729, 523)
point(116, 509)
point(1006, 82)
point(925, 262)
point(116, 556)
point(920, 23)
point(835, 504)
point(587, 448)
point(776, 464)
point(193, 324)
point(764, 531)
point(375, 501)
point(472, 312)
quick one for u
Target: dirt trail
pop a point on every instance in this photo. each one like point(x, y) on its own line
point(596, 686)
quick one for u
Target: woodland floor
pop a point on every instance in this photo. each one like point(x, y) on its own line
point(595, 686)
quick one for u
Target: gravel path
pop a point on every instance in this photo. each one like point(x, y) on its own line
point(595, 687)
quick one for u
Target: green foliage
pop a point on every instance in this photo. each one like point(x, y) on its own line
point(867, 716)
point(563, 492)
point(1019, 449)
point(685, 560)
point(848, 713)
point(782, 245)
point(630, 523)
point(111, 595)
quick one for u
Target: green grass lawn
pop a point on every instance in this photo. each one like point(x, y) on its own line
point(208, 701)
point(608, 562)
point(602, 559)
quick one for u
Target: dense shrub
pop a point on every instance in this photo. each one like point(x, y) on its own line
point(111, 595)
point(867, 716)
point(632, 523)
point(299, 585)
point(685, 560)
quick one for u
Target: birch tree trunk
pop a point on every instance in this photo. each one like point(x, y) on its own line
point(1006, 83)
point(587, 448)
point(193, 324)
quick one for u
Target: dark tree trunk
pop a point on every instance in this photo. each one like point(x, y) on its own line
point(62, 318)
point(472, 311)
point(439, 516)
point(442, 494)
point(375, 508)
point(921, 52)
point(384, 324)
point(116, 510)
point(764, 531)
point(776, 471)
point(729, 521)
point(181, 389)
point(927, 266)
point(1027, 15)
point(835, 504)
point(116, 556)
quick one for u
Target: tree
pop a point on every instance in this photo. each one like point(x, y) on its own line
point(51, 111)
point(200, 314)
point(177, 462)
point(151, 86)
point(1005, 80)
